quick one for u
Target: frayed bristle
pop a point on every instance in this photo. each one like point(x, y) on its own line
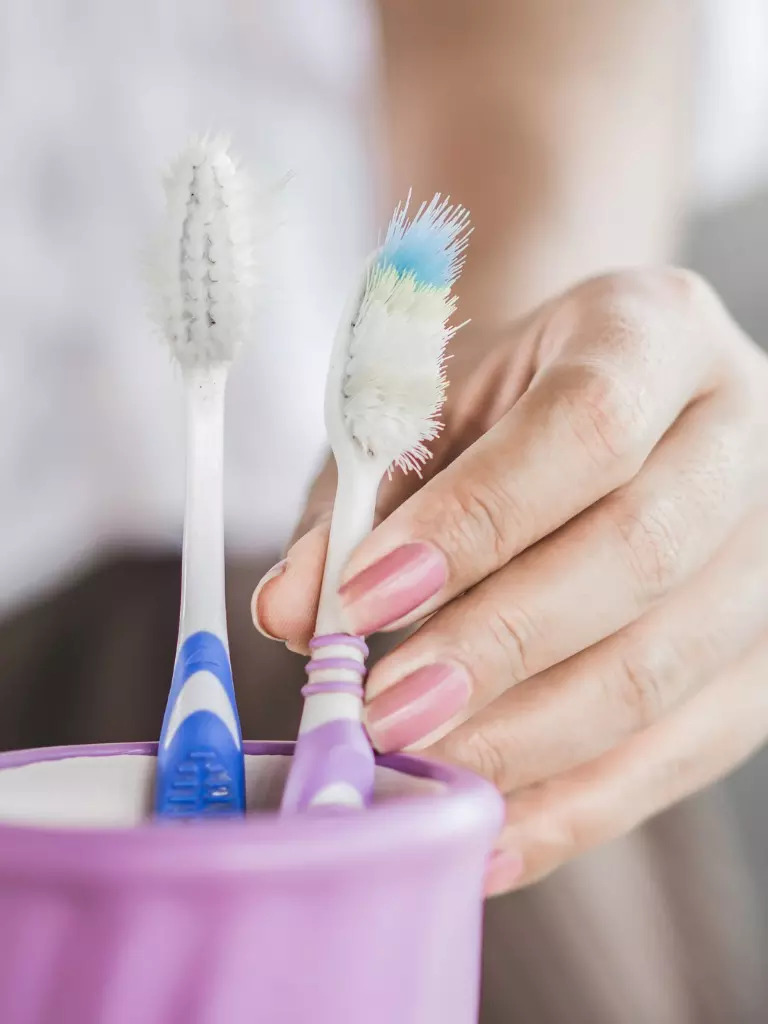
point(203, 267)
point(431, 246)
point(395, 382)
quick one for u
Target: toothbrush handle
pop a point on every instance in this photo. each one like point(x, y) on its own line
point(332, 766)
point(333, 763)
point(200, 768)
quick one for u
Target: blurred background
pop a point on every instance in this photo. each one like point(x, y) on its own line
point(728, 246)
point(726, 240)
point(94, 99)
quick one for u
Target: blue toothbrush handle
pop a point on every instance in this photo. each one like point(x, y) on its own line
point(200, 767)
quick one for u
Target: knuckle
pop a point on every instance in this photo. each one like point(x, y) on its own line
point(478, 524)
point(652, 544)
point(655, 672)
point(512, 632)
point(481, 751)
point(686, 303)
point(605, 416)
point(681, 287)
point(630, 294)
point(634, 307)
point(641, 687)
point(554, 832)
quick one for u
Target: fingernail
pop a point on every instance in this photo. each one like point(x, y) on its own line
point(416, 706)
point(393, 587)
point(298, 648)
point(274, 572)
point(504, 871)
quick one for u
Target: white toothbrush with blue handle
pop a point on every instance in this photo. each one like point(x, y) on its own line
point(203, 274)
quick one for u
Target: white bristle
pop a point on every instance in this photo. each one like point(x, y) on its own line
point(395, 380)
point(204, 268)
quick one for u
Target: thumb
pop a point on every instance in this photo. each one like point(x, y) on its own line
point(284, 604)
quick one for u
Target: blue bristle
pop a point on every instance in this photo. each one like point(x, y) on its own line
point(430, 246)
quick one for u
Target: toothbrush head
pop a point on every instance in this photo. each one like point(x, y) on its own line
point(203, 268)
point(394, 382)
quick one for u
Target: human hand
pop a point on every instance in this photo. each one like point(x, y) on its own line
point(590, 554)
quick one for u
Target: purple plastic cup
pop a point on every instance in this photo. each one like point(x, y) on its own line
point(362, 918)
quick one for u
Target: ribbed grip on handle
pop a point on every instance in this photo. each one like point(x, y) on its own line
point(200, 766)
point(333, 763)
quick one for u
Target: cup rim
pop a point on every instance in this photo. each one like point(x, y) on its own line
point(469, 809)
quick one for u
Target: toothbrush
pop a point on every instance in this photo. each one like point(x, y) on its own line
point(385, 387)
point(204, 271)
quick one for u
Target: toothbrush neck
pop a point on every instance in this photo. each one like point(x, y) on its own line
point(202, 588)
point(353, 514)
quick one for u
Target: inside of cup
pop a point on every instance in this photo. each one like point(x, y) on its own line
point(116, 791)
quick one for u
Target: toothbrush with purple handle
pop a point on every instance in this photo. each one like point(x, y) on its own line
point(385, 388)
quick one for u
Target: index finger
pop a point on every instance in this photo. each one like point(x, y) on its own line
point(621, 359)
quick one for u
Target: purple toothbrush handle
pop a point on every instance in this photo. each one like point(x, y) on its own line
point(333, 753)
point(337, 752)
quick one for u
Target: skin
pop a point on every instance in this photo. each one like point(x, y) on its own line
point(593, 517)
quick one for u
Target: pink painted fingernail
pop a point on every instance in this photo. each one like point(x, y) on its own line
point(274, 572)
point(393, 587)
point(416, 706)
point(504, 871)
